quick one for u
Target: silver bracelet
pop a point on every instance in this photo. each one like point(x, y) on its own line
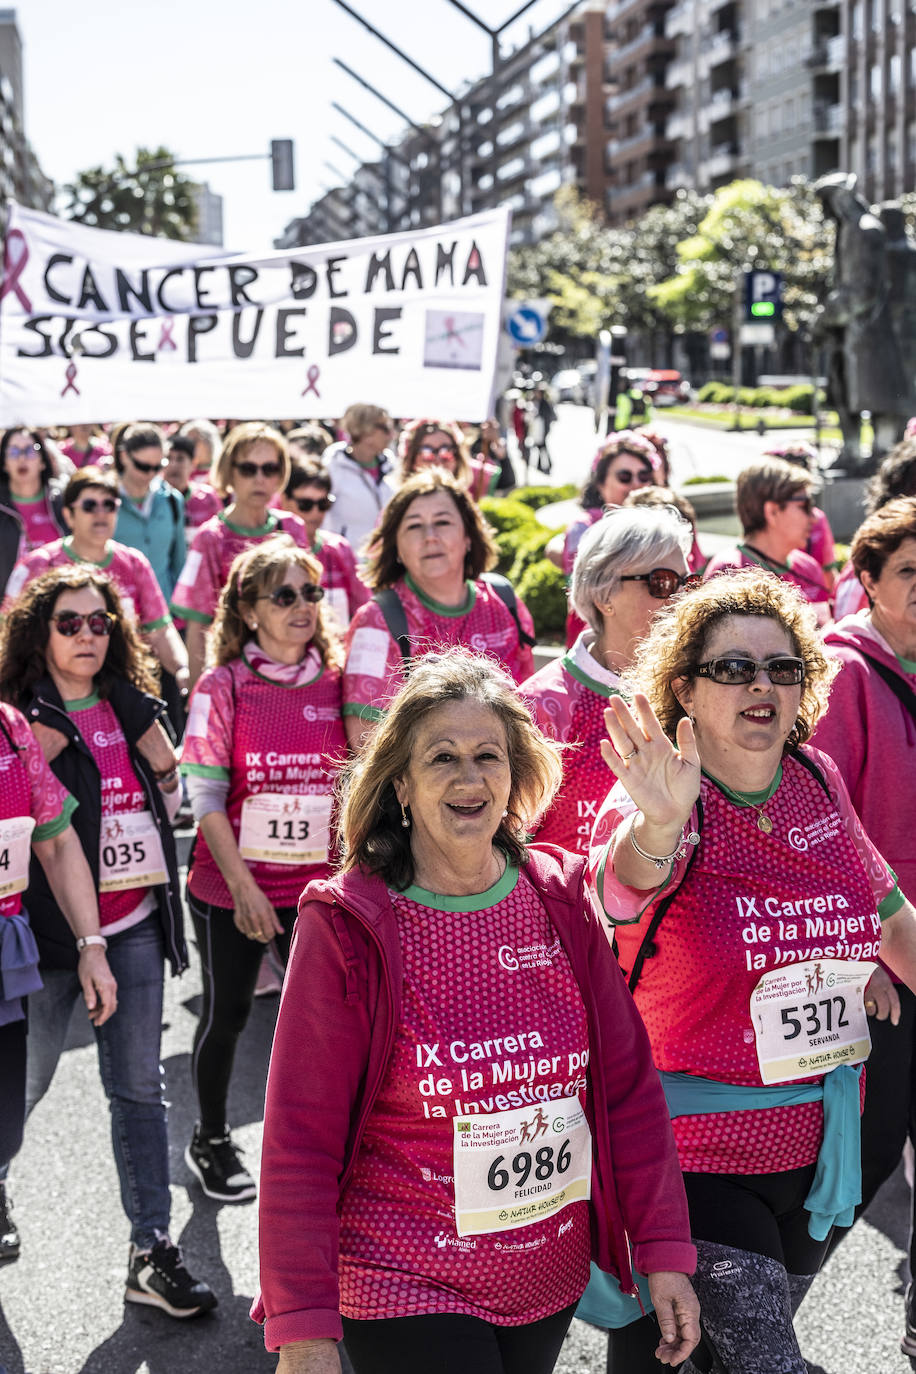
point(660, 860)
point(85, 940)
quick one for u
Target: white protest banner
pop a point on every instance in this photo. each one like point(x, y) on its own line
point(98, 326)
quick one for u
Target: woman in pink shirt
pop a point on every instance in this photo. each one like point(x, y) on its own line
point(30, 493)
point(485, 1117)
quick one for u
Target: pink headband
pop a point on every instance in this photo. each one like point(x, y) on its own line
point(628, 441)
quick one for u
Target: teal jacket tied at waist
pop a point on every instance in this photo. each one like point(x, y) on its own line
point(832, 1198)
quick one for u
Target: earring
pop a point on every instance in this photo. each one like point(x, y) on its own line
point(506, 812)
point(253, 625)
point(693, 720)
point(405, 819)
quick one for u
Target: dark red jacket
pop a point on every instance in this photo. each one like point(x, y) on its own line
point(338, 1018)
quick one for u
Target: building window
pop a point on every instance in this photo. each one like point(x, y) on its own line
point(546, 106)
point(874, 81)
point(545, 145)
point(857, 26)
point(544, 68)
point(546, 183)
point(893, 74)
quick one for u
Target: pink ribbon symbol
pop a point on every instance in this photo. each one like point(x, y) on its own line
point(165, 337)
point(70, 375)
point(451, 332)
point(312, 376)
point(13, 267)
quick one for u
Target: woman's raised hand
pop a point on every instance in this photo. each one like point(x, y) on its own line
point(662, 780)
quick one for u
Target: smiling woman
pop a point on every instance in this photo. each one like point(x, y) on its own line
point(722, 825)
point(452, 959)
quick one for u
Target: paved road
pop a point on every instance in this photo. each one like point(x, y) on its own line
point(61, 1307)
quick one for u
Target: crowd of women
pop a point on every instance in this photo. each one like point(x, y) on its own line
point(582, 965)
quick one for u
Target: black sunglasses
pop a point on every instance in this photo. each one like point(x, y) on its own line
point(624, 476)
point(285, 596)
point(147, 467)
point(805, 502)
point(734, 670)
point(69, 623)
point(664, 582)
point(247, 469)
point(306, 504)
point(444, 450)
point(90, 504)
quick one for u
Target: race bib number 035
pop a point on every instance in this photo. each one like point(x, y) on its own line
point(285, 829)
point(130, 852)
point(517, 1167)
point(15, 852)
point(810, 1017)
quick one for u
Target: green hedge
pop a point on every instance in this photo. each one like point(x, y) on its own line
point(521, 540)
point(543, 590)
point(797, 398)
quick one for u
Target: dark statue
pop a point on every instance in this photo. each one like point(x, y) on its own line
point(867, 320)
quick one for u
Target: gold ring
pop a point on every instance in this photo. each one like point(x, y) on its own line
point(872, 1004)
point(630, 755)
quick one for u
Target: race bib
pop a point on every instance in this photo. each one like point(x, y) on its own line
point(15, 850)
point(810, 1017)
point(281, 829)
point(368, 653)
point(336, 600)
point(130, 852)
point(513, 1168)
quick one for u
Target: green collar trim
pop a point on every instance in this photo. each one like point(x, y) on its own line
point(478, 901)
point(250, 531)
point(763, 560)
point(601, 689)
point(437, 606)
point(29, 500)
point(747, 798)
point(289, 686)
point(75, 558)
point(907, 664)
point(82, 703)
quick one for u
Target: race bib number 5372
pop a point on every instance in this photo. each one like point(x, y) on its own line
point(809, 1018)
point(514, 1168)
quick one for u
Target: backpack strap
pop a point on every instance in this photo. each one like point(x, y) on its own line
point(392, 608)
point(506, 593)
point(647, 947)
point(902, 690)
point(812, 768)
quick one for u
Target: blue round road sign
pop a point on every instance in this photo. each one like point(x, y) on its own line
point(526, 326)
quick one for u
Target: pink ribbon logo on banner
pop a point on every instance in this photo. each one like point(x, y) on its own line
point(70, 375)
point(165, 337)
point(312, 376)
point(13, 267)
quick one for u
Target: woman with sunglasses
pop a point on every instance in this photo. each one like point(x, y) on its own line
point(151, 514)
point(748, 906)
point(253, 466)
point(442, 444)
point(30, 497)
point(427, 564)
point(629, 564)
point(261, 752)
point(90, 506)
point(75, 666)
point(820, 545)
point(308, 495)
point(624, 463)
point(775, 504)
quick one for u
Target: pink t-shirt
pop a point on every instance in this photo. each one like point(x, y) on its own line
point(97, 453)
point(374, 669)
point(801, 570)
point(129, 569)
point(345, 590)
point(213, 549)
point(568, 698)
point(848, 595)
point(201, 503)
point(28, 788)
point(820, 541)
point(262, 736)
point(122, 793)
point(38, 525)
point(491, 1020)
point(810, 889)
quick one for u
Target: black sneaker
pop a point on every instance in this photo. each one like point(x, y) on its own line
point(158, 1278)
point(9, 1233)
point(908, 1344)
point(217, 1163)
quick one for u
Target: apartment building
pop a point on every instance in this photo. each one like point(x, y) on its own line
point(21, 177)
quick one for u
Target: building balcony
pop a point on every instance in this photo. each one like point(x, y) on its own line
point(828, 55)
point(722, 161)
point(678, 175)
point(721, 47)
point(828, 121)
point(647, 38)
point(646, 142)
point(681, 19)
point(679, 125)
point(680, 74)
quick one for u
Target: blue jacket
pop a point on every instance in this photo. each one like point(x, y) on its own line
point(160, 535)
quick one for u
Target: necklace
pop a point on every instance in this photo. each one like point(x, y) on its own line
point(747, 799)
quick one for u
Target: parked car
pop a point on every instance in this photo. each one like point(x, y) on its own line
point(666, 387)
point(575, 384)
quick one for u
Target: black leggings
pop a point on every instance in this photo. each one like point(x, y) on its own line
point(756, 1261)
point(12, 1089)
point(229, 963)
point(450, 1343)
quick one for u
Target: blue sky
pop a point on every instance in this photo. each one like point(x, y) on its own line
point(208, 79)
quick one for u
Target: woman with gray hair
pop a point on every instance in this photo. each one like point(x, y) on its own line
point(628, 565)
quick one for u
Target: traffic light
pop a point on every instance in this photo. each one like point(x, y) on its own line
point(281, 164)
point(763, 295)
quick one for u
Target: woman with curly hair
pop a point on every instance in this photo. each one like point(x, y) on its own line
point(442, 443)
point(262, 748)
point(748, 907)
point(74, 665)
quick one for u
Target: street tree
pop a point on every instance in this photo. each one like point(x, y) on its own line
point(144, 196)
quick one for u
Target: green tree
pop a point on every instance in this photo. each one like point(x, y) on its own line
point(749, 225)
point(147, 196)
